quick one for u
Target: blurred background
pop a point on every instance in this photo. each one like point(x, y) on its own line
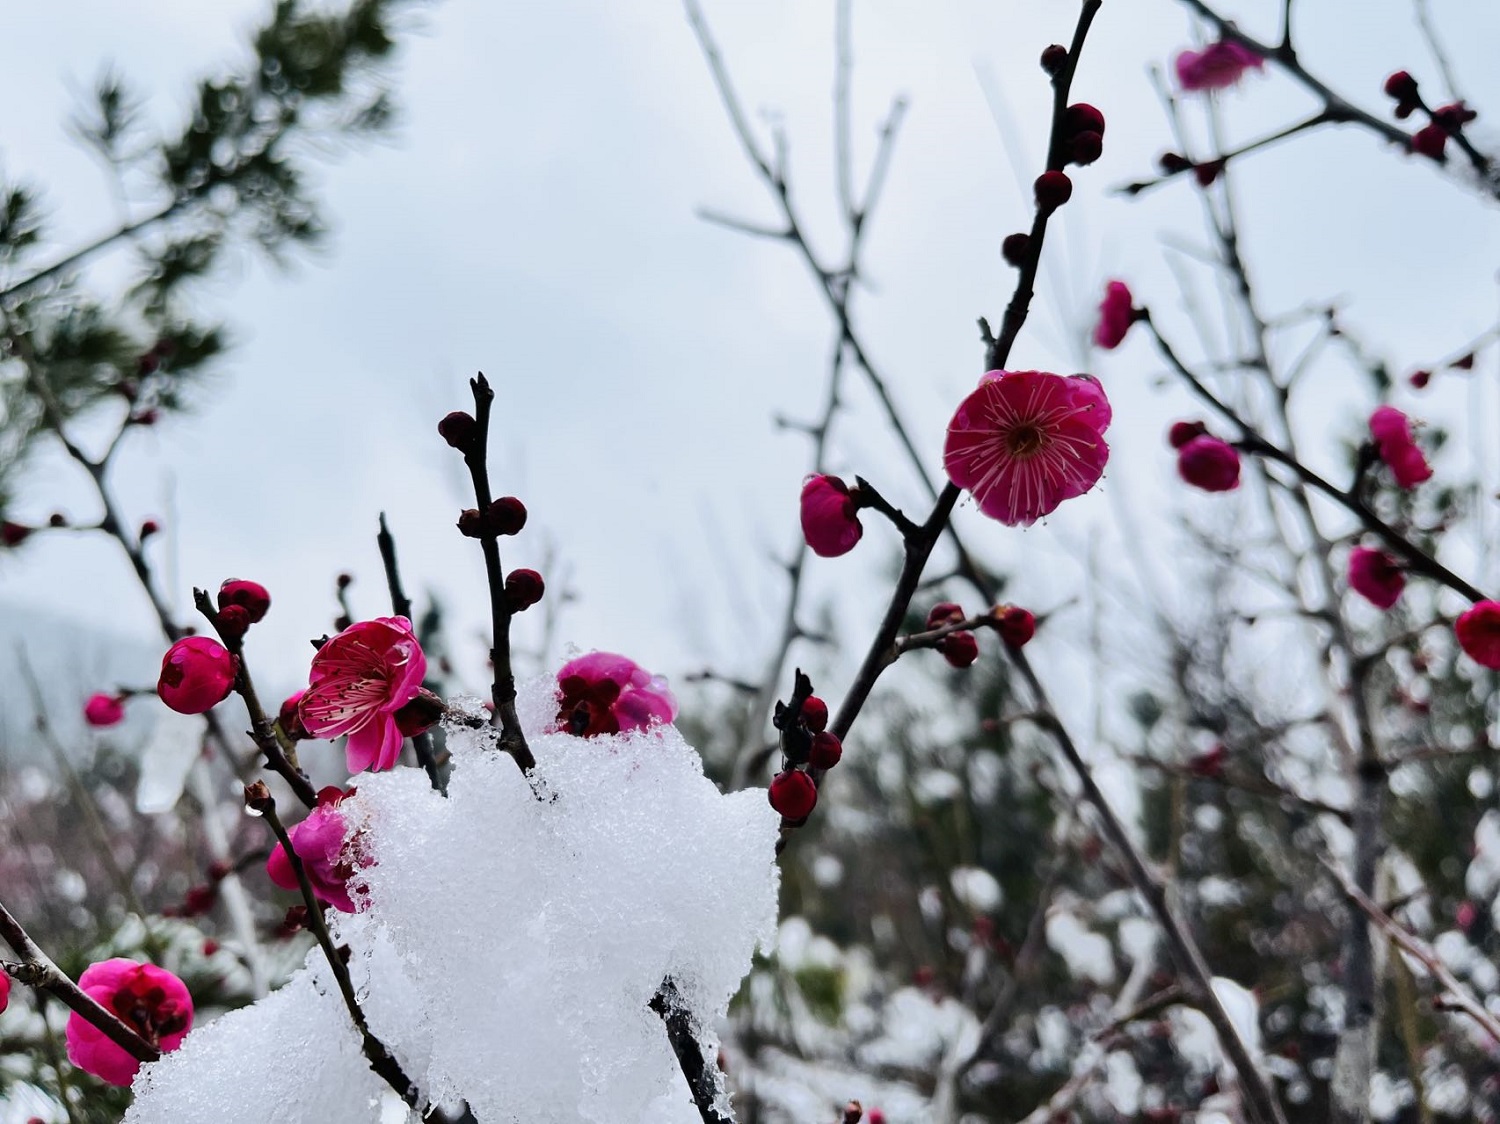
point(527, 200)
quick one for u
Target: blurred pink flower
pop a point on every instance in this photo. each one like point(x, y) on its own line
point(150, 1000)
point(1375, 576)
point(196, 675)
point(1217, 67)
point(1397, 447)
point(830, 517)
point(4, 991)
point(1208, 463)
point(1025, 441)
point(358, 680)
point(104, 710)
point(1478, 631)
point(319, 843)
point(602, 693)
point(1116, 314)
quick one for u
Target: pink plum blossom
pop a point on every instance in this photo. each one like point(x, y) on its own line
point(1398, 448)
point(1217, 67)
point(830, 516)
point(150, 1000)
point(358, 681)
point(196, 675)
point(603, 693)
point(319, 843)
point(4, 991)
point(1478, 631)
point(1025, 441)
point(1209, 463)
point(1375, 576)
point(1116, 314)
point(104, 710)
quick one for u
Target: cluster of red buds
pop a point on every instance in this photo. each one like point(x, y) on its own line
point(1431, 140)
point(807, 745)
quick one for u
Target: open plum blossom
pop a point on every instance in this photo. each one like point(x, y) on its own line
point(1478, 631)
point(196, 675)
point(358, 681)
point(1397, 447)
point(1116, 314)
point(1217, 67)
point(830, 516)
point(150, 1000)
point(1375, 576)
point(602, 693)
point(1025, 441)
point(319, 843)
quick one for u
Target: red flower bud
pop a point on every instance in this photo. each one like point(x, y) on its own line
point(1208, 463)
point(1454, 116)
point(234, 622)
point(1207, 172)
point(959, 648)
point(460, 430)
point(344, 581)
point(57, 519)
point(793, 794)
point(1420, 379)
point(149, 528)
point(1401, 86)
point(944, 612)
point(1081, 117)
point(1171, 163)
point(1430, 140)
point(815, 714)
point(104, 710)
point(471, 523)
point(1478, 631)
point(1016, 626)
point(1182, 432)
point(1053, 189)
point(507, 515)
point(1054, 57)
point(251, 596)
point(420, 714)
point(1086, 148)
point(14, 534)
point(196, 675)
point(1015, 248)
point(523, 589)
point(290, 720)
point(1463, 362)
point(826, 751)
point(1209, 763)
point(830, 516)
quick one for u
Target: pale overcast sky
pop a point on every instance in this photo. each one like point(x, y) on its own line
point(534, 218)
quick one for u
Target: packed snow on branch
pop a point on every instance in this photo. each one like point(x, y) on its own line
point(508, 941)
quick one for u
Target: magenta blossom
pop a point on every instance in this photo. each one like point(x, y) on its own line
point(104, 710)
point(196, 675)
point(1209, 463)
point(1397, 447)
point(830, 517)
point(358, 681)
point(602, 693)
point(1025, 441)
point(1375, 576)
point(1116, 314)
point(150, 1000)
point(1478, 631)
point(1217, 67)
point(4, 992)
point(319, 843)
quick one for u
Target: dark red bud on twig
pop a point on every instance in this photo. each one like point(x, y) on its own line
point(959, 648)
point(1054, 57)
point(1401, 86)
point(234, 622)
point(1087, 147)
point(14, 534)
point(253, 597)
point(523, 589)
point(507, 515)
point(815, 714)
point(1081, 117)
point(459, 429)
point(1053, 189)
point(1015, 248)
point(826, 751)
point(419, 715)
point(149, 528)
point(471, 523)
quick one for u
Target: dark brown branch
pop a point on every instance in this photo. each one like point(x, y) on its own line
point(259, 800)
point(702, 1078)
point(503, 687)
point(401, 606)
point(37, 970)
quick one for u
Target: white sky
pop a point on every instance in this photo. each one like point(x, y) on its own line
point(535, 219)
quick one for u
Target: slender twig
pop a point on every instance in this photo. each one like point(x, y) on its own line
point(1254, 442)
point(268, 737)
point(1256, 786)
point(37, 970)
point(702, 1077)
point(259, 800)
point(1458, 996)
point(1218, 162)
point(401, 606)
point(84, 253)
point(503, 688)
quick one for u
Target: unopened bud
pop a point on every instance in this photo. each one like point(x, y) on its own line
point(471, 523)
point(523, 589)
point(1054, 57)
point(507, 515)
point(234, 622)
point(459, 429)
point(1053, 189)
point(1015, 248)
point(258, 798)
point(149, 528)
point(418, 715)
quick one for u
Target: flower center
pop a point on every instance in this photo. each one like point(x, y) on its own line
point(1025, 440)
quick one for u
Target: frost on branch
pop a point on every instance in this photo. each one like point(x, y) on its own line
point(511, 940)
